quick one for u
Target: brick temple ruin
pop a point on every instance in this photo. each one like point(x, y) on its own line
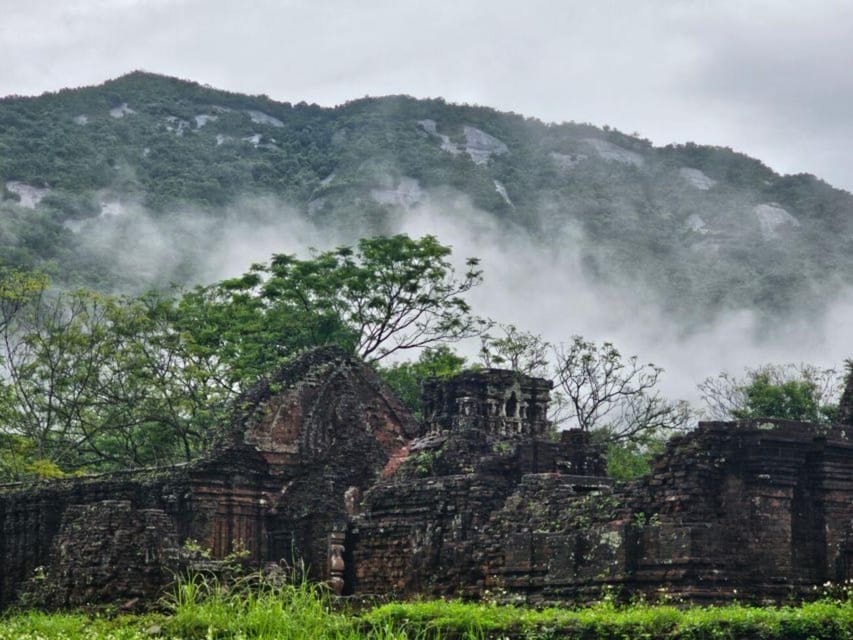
point(325, 465)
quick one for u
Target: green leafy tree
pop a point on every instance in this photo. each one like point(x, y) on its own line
point(15, 456)
point(791, 392)
point(245, 335)
point(627, 459)
point(387, 294)
point(517, 350)
point(407, 378)
point(52, 351)
point(95, 381)
point(18, 288)
point(790, 400)
point(171, 398)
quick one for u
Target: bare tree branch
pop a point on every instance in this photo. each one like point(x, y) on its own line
point(617, 399)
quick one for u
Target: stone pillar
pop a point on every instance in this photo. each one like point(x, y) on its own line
point(336, 562)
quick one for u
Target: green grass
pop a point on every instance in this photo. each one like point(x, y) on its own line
point(201, 608)
point(35, 625)
point(606, 621)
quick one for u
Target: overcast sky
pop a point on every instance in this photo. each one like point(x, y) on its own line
point(771, 78)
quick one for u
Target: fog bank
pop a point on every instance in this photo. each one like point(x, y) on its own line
point(538, 285)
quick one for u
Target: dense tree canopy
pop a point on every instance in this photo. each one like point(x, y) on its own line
point(384, 295)
point(96, 381)
point(407, 378)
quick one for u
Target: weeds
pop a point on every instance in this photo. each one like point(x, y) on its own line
point(254, 607)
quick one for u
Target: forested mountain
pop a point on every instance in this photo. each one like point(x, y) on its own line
point(702, 229)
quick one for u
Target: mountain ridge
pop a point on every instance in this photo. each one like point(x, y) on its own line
point(701, 227)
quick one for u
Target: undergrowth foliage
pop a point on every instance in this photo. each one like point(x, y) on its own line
point(202, 607)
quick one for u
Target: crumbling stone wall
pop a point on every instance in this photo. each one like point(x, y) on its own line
point(420, 536)
point(106, 549)
point(321, 429)
point(554, 537)
point(753, 510)
point(216, 502)
point(761, 507)
point(31, 516)
point(465, 533)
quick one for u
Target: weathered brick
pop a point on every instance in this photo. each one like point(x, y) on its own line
point(324, 465)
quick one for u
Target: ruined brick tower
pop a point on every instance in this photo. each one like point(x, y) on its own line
point(324, 465)
point(501, 403)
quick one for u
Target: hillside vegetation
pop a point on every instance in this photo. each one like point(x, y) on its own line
point(700, 228)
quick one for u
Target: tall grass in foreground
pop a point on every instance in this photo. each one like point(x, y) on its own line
point(203, 608)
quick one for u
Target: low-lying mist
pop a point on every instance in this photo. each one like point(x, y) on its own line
point(537, 284)
point(540, 287)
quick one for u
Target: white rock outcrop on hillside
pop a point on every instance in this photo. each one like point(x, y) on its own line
point(431, 128)
point(176, 125)
point(203, 118)
point(259, 117)
point(772, 218)
point(29, 195)
point(254, 139)
point(501, 189)
point(479, 145)
point(567, 161)
point(614, 153)
point(405, 194)
point(121, 111)
point(696, 178)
